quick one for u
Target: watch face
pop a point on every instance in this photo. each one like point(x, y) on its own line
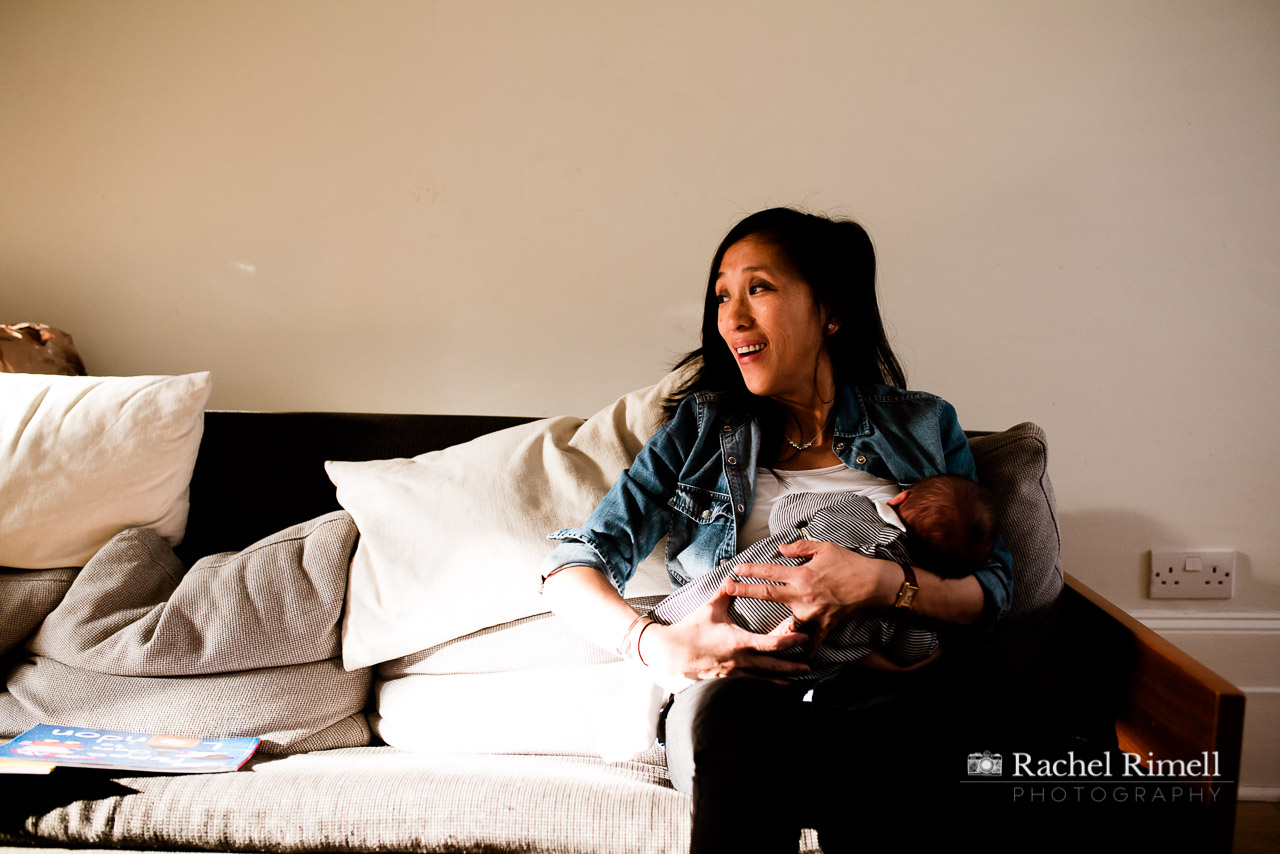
point(906, 596)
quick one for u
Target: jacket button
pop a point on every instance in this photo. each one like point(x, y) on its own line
point(733, 461)
point(839, 446)
point(706, 514)
point(727, 428)
point(860, 460)
point(741, 509)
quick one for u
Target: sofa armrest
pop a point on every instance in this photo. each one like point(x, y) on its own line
point(1168, 704)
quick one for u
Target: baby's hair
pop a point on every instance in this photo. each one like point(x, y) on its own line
point(955, 518)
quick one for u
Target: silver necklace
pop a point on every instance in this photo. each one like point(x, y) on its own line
point(807, 445)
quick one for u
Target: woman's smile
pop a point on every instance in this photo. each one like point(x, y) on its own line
point(748, 353)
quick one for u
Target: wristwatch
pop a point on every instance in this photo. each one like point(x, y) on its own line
point(910, 587)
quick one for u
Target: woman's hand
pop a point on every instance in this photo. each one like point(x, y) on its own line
point(833, 584)
point(703, 645)
point(707, 644)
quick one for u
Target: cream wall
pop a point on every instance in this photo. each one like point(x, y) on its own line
point(508, 207)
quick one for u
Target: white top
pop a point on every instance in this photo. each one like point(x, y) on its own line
point(837, 478)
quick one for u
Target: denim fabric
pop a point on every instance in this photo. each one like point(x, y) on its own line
point(694, 481)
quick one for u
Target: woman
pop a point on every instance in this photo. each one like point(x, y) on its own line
point(795, 376)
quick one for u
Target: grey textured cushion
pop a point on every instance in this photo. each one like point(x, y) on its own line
point(26, 597)
point(292, 709)
point(379, 798)
point(135, 611)
point(242, 644)
point(1014, 465)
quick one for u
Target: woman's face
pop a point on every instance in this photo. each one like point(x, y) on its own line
point(767, 316)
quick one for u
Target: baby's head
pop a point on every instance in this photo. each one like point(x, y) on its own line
point(954, 518)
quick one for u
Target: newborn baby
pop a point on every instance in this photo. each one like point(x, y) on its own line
point(944, 523)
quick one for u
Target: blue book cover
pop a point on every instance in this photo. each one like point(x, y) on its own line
point(83, 747)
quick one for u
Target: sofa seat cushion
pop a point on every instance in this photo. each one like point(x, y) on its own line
point(366, 799)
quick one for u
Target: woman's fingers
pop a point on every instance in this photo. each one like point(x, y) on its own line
point(781, 638)
point(719, 605)
point(804, 548)
point(787, 626)
point(769, 571)
point(818, 633)
point(760, 656)
point(751, 590)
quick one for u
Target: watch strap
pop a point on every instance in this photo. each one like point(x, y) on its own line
point(910, 587)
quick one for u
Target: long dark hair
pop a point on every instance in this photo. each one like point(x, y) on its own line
point(837, 261)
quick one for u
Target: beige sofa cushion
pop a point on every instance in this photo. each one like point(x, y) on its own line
point(26, 598)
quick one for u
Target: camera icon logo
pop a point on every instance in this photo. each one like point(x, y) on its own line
point(985, 764)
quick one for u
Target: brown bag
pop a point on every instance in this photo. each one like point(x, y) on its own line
point(34, 348)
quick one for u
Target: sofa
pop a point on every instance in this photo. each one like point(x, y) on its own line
point(1068, 671)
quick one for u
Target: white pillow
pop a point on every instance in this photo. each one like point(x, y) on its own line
point(600, 710)
point(528, 686)
point(83, 458)
point(451, 541)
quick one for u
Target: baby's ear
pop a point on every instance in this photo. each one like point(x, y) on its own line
point(899, 498)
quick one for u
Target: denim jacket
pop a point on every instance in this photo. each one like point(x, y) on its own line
point(695, 480)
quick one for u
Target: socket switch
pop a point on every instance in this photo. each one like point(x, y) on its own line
point(1193, 575)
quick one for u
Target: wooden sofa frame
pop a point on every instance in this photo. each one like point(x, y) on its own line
point(1165, 703)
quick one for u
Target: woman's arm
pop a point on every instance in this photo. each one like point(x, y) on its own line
point(584, 598)
point(704, 645)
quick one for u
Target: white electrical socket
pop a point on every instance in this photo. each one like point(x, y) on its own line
point(1193, 575)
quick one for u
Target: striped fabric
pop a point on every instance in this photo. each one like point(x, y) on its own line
point(843, 518)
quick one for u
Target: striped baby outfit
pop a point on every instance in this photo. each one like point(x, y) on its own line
point(846, 519)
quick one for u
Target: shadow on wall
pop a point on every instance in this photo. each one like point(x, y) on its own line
point(1110, 550)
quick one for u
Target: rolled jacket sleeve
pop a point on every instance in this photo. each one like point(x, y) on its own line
point(635, 513)
point(996, 578)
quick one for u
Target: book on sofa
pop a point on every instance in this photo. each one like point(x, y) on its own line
point(82, 747)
